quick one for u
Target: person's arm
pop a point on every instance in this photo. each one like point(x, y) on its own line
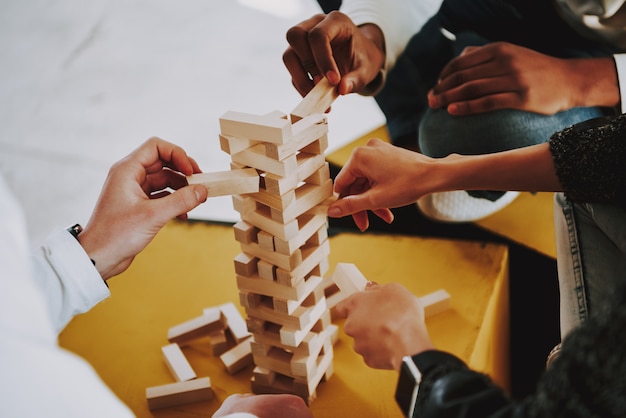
point(387, 324)
point(134, 204)
point(586, 161)
point(353, 47)
point(502, 75)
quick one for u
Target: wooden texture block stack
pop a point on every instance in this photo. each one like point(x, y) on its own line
point(284, 243)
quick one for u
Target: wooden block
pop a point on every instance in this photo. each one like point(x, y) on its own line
point(269, 334)
point(219, 342)
point(255, 157)
point(308, 164)
point(435, 302)
point(305, 132)
point(244, 204)
point(265, 240)
point(302, 318)
point(266, 128)
point(201, 326)
point(309, 288)
point(307, 196)
point(179, 393)
point(308, 225)
point(261, 218)
point(272, 200)
point(254, 284)
point(266, 270)
point(245, 264)
point(293, 336)
point(222, 183)
point(238, 357)
point(177, 363)
point(232, 145)
point(287, 262)
point(311, 258)
point(234, 321)
point(245, 233)
point(349, 279)
point(318, 100)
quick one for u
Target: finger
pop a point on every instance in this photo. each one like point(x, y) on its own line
point(342, 309)
point(384, 214)
point(361, 220)
point(179, 203)
point(300, 77)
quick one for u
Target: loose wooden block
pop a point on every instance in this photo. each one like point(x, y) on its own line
point(177, 363)
point(179, 393)
point(235, 322)
point(238, 357)
point(266, 128)
point(219, 342)
point(211, 321)
point(229, 182)
point(318, 100)
point(349, 279)
point(435, 302)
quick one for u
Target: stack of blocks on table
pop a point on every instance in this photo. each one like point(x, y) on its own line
point(284, 242)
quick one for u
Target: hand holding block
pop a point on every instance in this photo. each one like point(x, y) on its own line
point(222, 183)
point(318, 100)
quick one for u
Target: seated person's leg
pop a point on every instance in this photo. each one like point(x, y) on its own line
point(591, 257)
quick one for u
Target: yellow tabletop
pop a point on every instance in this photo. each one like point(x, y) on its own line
point(189, 267)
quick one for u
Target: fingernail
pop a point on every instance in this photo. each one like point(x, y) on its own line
point(334, 212)
point(201, 193)
point(332, 77)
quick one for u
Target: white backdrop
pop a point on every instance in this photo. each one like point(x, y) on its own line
point(82, 83)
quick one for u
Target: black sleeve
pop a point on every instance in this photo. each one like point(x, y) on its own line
point(590, 160)
point(449, 389)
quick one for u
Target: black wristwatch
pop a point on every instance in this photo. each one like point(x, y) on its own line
point(74, 230)
point(415, 368)
point(408, 386)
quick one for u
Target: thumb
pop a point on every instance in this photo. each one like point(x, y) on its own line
point(349, 205)
point(181, 201)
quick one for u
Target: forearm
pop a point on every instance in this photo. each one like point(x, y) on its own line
point(596, 82)
point(524, 169)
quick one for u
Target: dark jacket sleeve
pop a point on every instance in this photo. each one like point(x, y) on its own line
point(590, 160)
point(587, 380)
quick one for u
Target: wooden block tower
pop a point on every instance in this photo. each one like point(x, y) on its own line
point(283, 237)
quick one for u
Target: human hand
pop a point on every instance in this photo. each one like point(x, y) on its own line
point(265, 406)
point(387, 323)
point(350, 57)
point(135, 203)
point(501, 75)
point(380, 176)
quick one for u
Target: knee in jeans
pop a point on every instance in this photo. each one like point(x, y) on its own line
point(441, 134)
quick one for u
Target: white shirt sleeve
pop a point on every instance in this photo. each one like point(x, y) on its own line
point(398, 19)
point(69, 280)
point(620, 65)
point(38, 378)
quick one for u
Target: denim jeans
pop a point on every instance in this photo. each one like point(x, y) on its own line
point(591, 257)
point(477, 22)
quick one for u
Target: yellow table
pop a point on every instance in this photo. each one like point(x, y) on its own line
point(189, 267)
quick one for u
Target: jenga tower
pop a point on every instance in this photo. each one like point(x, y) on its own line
point(283, 237)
